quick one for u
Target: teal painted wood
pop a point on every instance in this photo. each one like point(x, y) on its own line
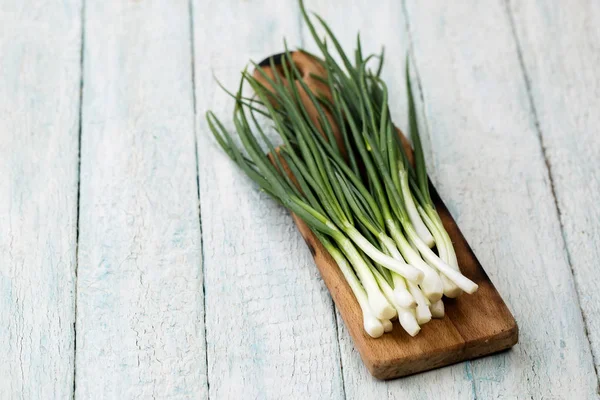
point(489, 167)
point(270, 324)
point(39, 119)
point(140, 331)
point(559, 45)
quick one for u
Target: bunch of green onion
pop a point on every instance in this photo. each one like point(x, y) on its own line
point(369, 207)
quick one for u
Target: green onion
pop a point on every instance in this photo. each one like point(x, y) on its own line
point(371, 324)
point(367, 205)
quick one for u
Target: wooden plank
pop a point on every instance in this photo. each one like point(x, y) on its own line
point(474, 326)
point(140, 330)
point(270, 324)
point(491, 171)
point(384, 25)
point(486, 161)
point(40, 49)
point(559, 46)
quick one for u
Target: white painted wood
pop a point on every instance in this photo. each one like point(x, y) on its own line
point(270, 324)
point(140, 330)
point(39, 119)
point(559, 44)
point(490, 170)
point(271, 330)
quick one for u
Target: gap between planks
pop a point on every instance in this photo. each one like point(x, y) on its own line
point(82, 35)
point(195, 133)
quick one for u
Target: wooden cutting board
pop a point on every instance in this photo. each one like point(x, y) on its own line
point(475, 325)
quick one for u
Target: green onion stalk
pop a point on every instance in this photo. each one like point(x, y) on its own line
point(367, 205)
point(379, 141)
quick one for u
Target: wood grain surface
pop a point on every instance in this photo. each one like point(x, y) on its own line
point(270, 325)
point(140, 320)
point(558, 44)
point(40, 77)
point(508, 94)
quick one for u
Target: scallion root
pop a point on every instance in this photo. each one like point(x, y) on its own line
point(387, 325)
point(437, 309)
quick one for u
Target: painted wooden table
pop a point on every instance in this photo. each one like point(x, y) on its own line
point(136, 262)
